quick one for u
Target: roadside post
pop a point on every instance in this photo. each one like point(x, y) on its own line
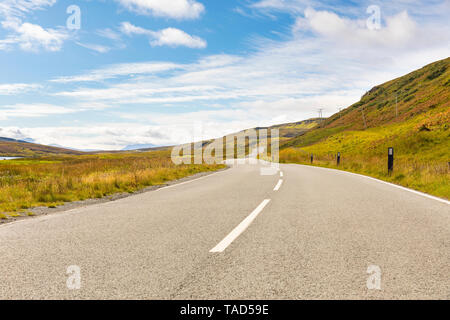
point(390, 160)
point(312, 158)
point(338, 159)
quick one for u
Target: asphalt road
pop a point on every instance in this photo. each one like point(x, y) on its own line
point(230, 235)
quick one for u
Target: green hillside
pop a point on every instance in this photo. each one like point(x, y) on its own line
point(410, 113)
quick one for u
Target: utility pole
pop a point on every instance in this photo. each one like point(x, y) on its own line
point(396, 104)
point(320, 113)
point(364, 118)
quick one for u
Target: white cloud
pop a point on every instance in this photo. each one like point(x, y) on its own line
point(32, 37)
point(16, 88)
point(171, 37)
point(150, 68)
point(118, 70)
point(31, 110)
point(400, 29)
point(177, 9)
point(28, 36)
point(281, 5)
point(18, 8)
point(174, 37)
point(108, 33)
point(130, 29)
point(136, 93)
point(94, 47)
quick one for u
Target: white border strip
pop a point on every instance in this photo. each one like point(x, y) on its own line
point(222, 245)
point(189, 181)
point(381, 181)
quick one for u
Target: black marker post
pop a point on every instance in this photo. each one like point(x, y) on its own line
point(338, 158)
point(390, 160)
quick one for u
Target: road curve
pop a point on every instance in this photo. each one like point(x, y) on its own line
point(304, 233)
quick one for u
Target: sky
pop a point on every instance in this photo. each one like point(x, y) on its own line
point(106, 74)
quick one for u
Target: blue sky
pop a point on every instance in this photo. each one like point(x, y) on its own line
point(149, 71)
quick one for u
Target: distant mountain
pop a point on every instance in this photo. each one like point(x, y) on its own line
point(139, 146)
point(21, 148)
point(13, 140)
point(63, 147)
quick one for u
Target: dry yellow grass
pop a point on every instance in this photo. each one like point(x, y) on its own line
point(428, 176)
point(51, 181)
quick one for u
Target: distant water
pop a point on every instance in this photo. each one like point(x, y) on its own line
point(10, 158)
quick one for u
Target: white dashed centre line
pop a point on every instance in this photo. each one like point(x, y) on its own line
point(278, 185)
point(240, 228)
point(281, 173)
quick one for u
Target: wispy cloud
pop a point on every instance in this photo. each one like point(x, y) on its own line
point(109, 34)
point(16, 88)
point(19, 8)
point(177, 9)
point(118, 70)
point(35, 110)
point(94, 47)
point(31, 110)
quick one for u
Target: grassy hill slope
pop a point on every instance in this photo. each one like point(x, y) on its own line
point(410, 113)
point(27, 149)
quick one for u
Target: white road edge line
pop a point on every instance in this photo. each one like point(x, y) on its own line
point(281, 173)
point(278, 185)
point(385, 182)
point(222, 245)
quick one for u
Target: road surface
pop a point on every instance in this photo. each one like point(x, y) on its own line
point(311, 233)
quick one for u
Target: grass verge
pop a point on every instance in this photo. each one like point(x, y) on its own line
point(52, 181)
